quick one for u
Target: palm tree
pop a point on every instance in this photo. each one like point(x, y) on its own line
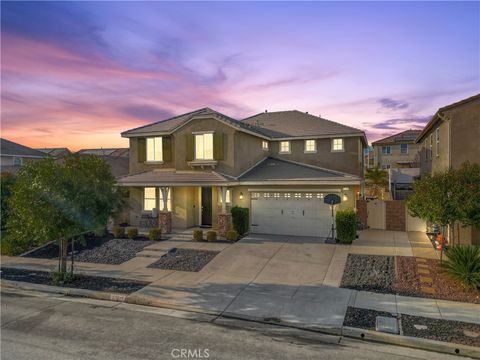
point(377, 179)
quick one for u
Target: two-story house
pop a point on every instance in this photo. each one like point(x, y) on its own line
point(449, 139)
point(14, 155)
point(280, 165)
point(397, 151)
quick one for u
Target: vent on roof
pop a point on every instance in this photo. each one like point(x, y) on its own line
point(266, 111)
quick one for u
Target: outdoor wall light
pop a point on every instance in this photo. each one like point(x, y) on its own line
point(345, 197)
point(241, 196)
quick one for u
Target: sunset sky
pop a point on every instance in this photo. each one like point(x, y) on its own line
point(76, 74)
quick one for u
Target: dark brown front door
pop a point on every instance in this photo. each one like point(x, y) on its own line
point(206, 206)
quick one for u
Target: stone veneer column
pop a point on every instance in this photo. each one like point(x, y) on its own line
point(224, 223)
point(165, 221)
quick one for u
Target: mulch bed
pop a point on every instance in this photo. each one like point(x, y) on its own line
point(369, 273)
point(408, 282)
point(363, 318)
point(184, 260)
point(441, 330)
point(100, 250)
point(96, 283)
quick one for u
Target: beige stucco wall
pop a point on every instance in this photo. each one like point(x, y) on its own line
point(440, 159)
point(396, 155)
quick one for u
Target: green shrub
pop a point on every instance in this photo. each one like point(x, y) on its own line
point(463, 264)
point(61, 278)
point(346, 222)
point(198, 235)
point(155, 234)
point(240, 219)
point(231, 235)
point(13, 247)
point(132, 233)
point(100, 232)
point(211, 235)
point(118, 232)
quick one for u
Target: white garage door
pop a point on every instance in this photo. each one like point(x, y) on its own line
point(294, 213)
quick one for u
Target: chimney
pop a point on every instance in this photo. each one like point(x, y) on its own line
point(266, 111)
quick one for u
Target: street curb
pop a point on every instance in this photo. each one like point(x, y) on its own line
point(345, 331)
point(413, 342)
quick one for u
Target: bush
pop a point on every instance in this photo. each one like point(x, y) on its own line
point(118, 232)
point(132, 233)
point(198, 235)
point(231, 235)
point(211, 235)
point(13, 247)
point(240, 219)
point(155, 234)
point(346, 222)
point(61, 278)
point(463, 264)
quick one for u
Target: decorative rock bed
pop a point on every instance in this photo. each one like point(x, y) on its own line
point(96, 283)
point(100, 250)
point(184, 260)
point(363, 318)
point(369, 273)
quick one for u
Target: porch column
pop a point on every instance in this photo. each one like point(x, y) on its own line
point(165, 216)
point(224, 219)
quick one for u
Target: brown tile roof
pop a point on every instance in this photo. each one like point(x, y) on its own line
point(404, 137)
point(171, 177)
point(295, 123)
point(438, 114)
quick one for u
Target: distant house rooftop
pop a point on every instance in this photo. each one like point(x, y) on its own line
point(10, 148)
point(55, 152)
point(115, 152)
point(404, 137)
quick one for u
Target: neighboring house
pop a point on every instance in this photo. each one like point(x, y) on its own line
point(57, 153)
point(14, 155)
point(114, 152)
point(397, 151)
point(401, 182)
point(369, 159)
point(449, 139)
point(280, 165)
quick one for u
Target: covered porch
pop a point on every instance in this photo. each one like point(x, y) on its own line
point(172, 199)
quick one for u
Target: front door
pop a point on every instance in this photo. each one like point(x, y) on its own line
point(206, 206)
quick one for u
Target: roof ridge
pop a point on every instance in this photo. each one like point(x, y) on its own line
point(168, 119)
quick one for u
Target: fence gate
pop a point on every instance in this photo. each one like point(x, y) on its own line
point(376, 212)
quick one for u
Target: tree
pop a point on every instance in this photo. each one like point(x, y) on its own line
point(450, 197)
point(377, 179)
point(7, 180)
point(53, 201)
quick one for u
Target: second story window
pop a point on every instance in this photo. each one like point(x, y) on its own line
point(437, 142)
point(154, 149)
point(285, 147)
point(264, 145)
point(386, 150)
point(403, 148)
point(337, 145)
point(431, 146)
point(204, 146)
point(310, 146)
point(17, 161)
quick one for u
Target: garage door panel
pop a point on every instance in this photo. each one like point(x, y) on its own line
point(302, 217)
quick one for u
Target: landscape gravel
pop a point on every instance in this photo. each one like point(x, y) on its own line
point(363, 318)
point(96, 283)
point(114, 251)
point(441, 330)
point(184, 260)
point(369, 273)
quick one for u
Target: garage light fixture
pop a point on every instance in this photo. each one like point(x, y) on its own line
point(345, 197)
point(241, 196)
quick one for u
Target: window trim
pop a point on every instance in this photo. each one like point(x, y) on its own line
point(401, 152)
point(332, 146)
point(202, 133)
point(314, 146)
point(289, 151)
point(154, 152)
point(265, 148)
